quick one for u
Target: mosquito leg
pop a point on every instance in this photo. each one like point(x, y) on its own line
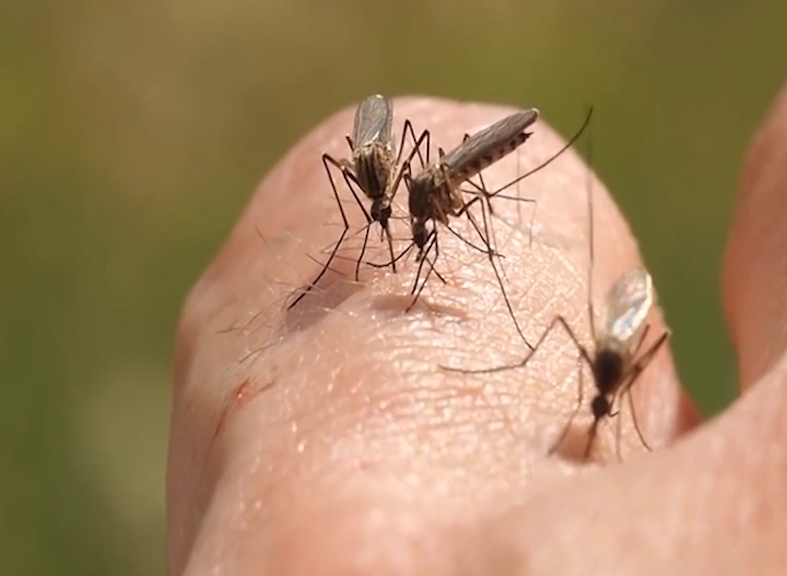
point(488, 225)
point(417, 290)
point(618, 429)
point(557, 320)
point(636, 371)
point(591, 437)
point(489, 230)
point(577, 408)
point(485, 194)
point(473, 246)
point(363, 251)
point(390, 249)
point(433, 263)
point(500, 282)
point(417, 141)
point(421, 258)
point(404, 167)
point(327, 160)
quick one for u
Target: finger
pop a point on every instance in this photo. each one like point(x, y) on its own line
point(346, 417)
point(676, 513)
point(755, 266)
point(679, 511)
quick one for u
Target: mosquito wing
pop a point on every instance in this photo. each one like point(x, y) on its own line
point(373, 122)
point(486, 147)
point(628, 304)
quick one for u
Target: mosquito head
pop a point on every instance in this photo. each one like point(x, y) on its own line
point(608, 368)
point(421, 236)
point(600, 406)
point(381, 211)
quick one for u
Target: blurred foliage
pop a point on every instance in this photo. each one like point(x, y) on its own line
point(132, 132)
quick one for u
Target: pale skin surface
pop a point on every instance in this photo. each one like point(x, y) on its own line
point(364, 457)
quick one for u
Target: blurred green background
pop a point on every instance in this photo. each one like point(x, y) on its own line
point(132, 133)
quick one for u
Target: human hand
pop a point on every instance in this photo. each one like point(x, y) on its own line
point(344, 449)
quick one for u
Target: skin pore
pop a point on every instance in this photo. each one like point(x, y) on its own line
point(343, 448)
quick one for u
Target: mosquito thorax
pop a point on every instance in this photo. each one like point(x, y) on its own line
point(608, 368)
point(373, 167)
point(418, 199)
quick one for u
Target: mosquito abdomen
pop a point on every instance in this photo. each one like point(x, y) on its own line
point(461, 173)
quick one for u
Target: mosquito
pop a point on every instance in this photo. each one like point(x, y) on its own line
point(614, 359)
point(373, 169)
point(435, 193)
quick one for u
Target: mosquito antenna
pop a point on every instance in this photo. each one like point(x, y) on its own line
point(519, 205)
point(591, 237)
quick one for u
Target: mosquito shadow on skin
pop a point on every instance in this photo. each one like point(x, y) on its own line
point(573, 446)
point(399, 303)
point(317, 303)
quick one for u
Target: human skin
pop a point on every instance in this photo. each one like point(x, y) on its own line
point(345, 448)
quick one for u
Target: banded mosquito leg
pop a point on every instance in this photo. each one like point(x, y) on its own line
point(327, 161)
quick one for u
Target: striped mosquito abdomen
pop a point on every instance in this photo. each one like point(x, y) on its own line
point(486, 147)
point(474, 168)
point(609, 367)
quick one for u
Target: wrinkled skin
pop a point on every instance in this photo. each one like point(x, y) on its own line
point(344, 448)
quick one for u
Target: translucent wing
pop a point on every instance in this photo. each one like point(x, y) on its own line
point(486, 147)
point(373, 122)
point(628, 303)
